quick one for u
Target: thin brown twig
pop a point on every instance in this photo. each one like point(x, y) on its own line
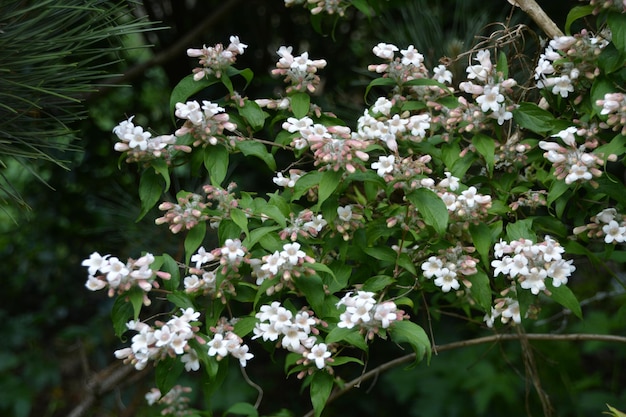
point(532, 9)
point(470, 342)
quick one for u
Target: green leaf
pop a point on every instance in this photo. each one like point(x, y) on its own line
point(161, 167)
point(240, 219)
point(300, 104)
point(171, 266)
point(431, 207)
point(557, 189)
point(521, 229)
point(378, 283)
point(242, 409)
point(180, 300)
point(363, 7)
point(194, 239)
point(340, 360)
point(503, 65)
point(187, 87)
point(216, 162)
point(351, 336)
point(564, 296)
point(321, 386)
point(575, 14)
point(254, 148)
point(376, 83)
point(313, 290)
point(305, 183)
point(426, 82)
point(534, 118)
point(135, 296)
point(244, 326)
point(253, 114)
point(121, 313)
point(328, 184)
point(408, 332)
point(486, 147)
point(382, 253)
point(481, 290)
point(168, 370)
point(617, 24)
point(150, 190)
point(481, 237)
point(614, 412)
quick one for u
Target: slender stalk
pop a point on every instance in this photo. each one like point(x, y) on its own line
point(532, 9)
point(348, 386)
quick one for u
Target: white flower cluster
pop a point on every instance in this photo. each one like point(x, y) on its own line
point(364, 312)
point(175, 402)
point(450, 266)
point(108, 271)
point(299, 71)
point(227, 342)
point(281, 263)
point(215, 59)
point(608, 224)
point(614, 106)
point(389, 128)
point(571, 162)
point(167, 339)
point(506, 309)
point(282, 181)
point(296, 332)
point(140, 144)
point(306, 224)
point(565, 59)
point(468, 204)
point(206, 123)
point(490, 94)
point(530, 264)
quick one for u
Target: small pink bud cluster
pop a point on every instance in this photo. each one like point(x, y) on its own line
point(222, 201)
point(608, 225)
point(205, 124)
point(507, 309)
point(492, 91)
point(175, 402)
point(165, 339)
point(284, 265)
point(571, 162)
point(531, 199)
point(140, 145)
point(614, 106)
point(184, 215)
point(349, 218)
point(109, 272)
point(334, 147)
point(530, 264)
point(567, 60)
point(299, 71)
point(449, 267)
point(215, 59)
point(368, 315)
point(306, 224)
point(509, 156)
point(226, 342)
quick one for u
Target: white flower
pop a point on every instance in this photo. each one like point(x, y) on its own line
point(190, 359)
point(432, 267)
point(384, 50)
point(441, 74)
point(382, 106)
point(236, 45)
point(446, 279)
point(491, 98)
point(95, 262)
point(291, 253)
point(292, 337)
point(563, 86)
point(385, 313)
point(384, 165)
point(567, 135)
point(319, 353)
point(345, 213)
point(217, 346)
point(614, 232)
point(242, 354)
point(410, 56)
point(534, 280)
point(272, 263)
point(202, 257)
point(232, 249)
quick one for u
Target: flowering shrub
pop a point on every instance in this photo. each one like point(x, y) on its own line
point(441, 188)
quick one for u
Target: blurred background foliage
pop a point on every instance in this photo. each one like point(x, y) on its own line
point(63, 199)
